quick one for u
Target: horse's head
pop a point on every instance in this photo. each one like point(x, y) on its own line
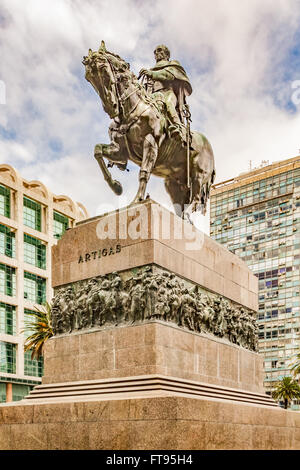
point(104, 70)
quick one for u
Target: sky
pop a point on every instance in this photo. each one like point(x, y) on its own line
point(242, 58)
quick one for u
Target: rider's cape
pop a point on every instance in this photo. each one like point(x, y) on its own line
point(178, 72)
point(181, 84)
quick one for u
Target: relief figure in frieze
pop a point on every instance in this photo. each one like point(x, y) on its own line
point(149, 295)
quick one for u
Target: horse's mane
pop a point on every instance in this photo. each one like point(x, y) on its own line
point(123, 62)
point(133, 76)
point(143, 93)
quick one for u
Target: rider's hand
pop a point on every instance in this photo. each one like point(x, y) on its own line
point(145, 72)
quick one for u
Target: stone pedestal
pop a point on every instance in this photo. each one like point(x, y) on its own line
point(152, 349)
point(165, 361)
point(149, 234)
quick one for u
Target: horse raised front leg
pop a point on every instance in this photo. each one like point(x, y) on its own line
point(108, 151)
point(150, 151)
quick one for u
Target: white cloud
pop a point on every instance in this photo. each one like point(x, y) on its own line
point(10, 150)
point(234, 53)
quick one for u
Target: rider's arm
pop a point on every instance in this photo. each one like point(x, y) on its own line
point(161, 75)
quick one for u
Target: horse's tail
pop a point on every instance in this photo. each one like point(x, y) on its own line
point(205, 176)
point(204, 195)
point(206, 190)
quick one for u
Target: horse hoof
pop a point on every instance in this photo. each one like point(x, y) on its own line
point(117, 188)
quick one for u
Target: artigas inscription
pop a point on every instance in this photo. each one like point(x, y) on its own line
point(93, 255)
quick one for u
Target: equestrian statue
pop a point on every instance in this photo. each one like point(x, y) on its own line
point(151, 127)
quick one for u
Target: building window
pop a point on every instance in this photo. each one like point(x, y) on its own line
point(4, 201)
point(33, 367)
point(8, 357)
point(28, 318)
point(34, 252)
point(19, 391)
point(34, 288)
point(7, 319)
point(60, 224)
point(7, 280)
point(2, 392)
point(7, 242)
point(32, 214)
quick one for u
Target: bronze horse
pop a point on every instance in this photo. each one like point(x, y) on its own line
point(139, 133)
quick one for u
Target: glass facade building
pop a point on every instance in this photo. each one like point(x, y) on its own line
point(32, 219)
point(257, 217)
point(7, 319)
point(4, 201)
point(32, 213)
point(60, 224)
point(7, 242)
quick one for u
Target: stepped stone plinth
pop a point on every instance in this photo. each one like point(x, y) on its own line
point(155, 345)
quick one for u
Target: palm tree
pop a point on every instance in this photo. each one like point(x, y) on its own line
point(287, 389)
point(41, 329)
point(296, 366)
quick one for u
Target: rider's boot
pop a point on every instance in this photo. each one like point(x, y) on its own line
point(177, 129)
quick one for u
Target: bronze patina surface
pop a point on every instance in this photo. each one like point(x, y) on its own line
point(148, 128)
point(149, 294)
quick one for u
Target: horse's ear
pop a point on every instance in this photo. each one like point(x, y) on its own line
point(102, 47)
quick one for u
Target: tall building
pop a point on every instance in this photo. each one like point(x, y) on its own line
point(257, 216)
point(31, 220)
